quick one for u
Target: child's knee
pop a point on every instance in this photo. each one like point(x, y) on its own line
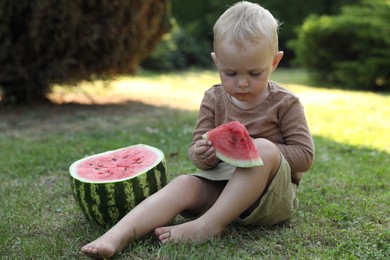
point(268, 151)
point(185, 181)
point(265, 147)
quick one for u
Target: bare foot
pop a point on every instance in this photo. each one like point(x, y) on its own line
point(187, 232)
point(105, 246)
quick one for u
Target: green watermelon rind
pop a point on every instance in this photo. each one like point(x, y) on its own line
point(105, 203)
point(235, 162)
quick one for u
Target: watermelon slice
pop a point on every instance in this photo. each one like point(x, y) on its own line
point(233, 145)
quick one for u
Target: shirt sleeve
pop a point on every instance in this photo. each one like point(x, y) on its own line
point(298, 146)
point(206, 122)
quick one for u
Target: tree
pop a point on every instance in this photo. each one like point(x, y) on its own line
point(44, 42)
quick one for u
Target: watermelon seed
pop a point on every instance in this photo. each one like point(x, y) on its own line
point(138, 160)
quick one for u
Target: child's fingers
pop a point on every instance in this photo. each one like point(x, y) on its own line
point(202, 146)
point(201, 143)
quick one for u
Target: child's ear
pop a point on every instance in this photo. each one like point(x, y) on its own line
point(214, 57)
point(277, 59)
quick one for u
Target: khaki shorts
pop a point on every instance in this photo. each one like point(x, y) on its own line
point(278, 204)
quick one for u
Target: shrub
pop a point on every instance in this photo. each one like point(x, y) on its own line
point(351, 49)
point(178, 50)
point(44, 41)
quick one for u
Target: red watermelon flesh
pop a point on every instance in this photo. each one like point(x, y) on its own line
point(116, 165)
point(233, 145)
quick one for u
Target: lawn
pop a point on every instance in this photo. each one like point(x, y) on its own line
point(344, 199)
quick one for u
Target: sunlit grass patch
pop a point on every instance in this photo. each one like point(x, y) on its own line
point(358, 118)
point(352, 117)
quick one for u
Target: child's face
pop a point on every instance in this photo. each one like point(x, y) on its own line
point(245, 71)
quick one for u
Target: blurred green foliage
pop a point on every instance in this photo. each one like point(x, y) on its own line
point(351, 49)
point(190, 43)
point(177, 51)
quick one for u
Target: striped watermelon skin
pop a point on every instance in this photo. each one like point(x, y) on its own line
point(105, 203)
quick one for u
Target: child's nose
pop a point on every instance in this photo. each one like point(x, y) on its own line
point(242, 83)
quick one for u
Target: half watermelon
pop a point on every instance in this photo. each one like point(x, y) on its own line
point(109, 184)
point(233, 145)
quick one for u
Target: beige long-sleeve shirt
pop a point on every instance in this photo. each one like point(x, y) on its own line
point(280, 119)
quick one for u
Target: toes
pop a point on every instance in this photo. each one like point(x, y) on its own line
point(94, 251)
point(86, 249)
point(157, 231)
point(162, 230)
point(163, 234)
point(164, 237)
point(90, 251)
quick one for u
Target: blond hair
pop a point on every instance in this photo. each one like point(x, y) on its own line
point(246, 21)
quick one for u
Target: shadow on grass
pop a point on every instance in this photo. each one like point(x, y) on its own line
point(45, 119)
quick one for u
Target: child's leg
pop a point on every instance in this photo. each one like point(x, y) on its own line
point(243, 190)
point(183, 193)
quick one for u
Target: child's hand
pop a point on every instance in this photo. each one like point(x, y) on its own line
point(205, 151)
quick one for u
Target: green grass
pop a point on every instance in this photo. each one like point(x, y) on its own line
point(344, 199)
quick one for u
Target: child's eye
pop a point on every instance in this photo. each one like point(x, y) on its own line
point(255, 74)
point(230, 74)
